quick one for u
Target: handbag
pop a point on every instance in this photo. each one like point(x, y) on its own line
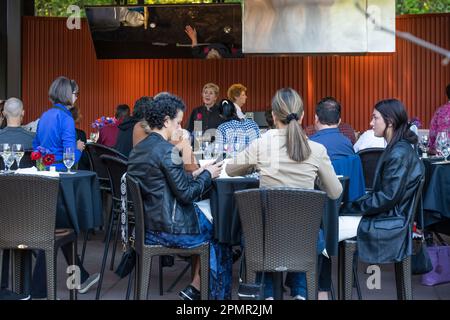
point(254, 291)
point(128, 260)
point(420, 260)
point(440, 258)
point(127, 263)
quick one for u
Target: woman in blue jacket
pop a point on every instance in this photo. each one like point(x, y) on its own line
point(56, 128)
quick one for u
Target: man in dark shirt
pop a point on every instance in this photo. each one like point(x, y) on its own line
point(124, 142)
point(207, 116)
point(14, 133)
point(326, 122)
point(344, 160)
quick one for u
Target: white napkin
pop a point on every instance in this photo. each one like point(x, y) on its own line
point(35, 171)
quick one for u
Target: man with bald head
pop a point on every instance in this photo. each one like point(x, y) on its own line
point(13, 133)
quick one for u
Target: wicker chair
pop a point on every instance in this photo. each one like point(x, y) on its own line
point(145, 252)
point(27, 221)
point(369, 160)
point(348, 258)
point(293, 219)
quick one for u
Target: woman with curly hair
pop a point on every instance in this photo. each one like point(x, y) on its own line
point(172, 219)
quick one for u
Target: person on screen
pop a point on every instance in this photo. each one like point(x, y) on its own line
point(211, 50)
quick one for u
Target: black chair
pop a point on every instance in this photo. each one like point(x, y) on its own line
point(293, 219)
point(145, 252)
point(115, 167)
point(94, 151)
point(348, 258)
point(27, 221)
point(369, 160)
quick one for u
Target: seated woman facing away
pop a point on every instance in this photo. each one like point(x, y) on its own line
point(383, 231)
point(172, 219)
point(234, 132)
point(285, 157)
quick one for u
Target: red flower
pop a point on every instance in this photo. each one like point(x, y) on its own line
point(35, 155)
point(199, 116)
point(48, 159)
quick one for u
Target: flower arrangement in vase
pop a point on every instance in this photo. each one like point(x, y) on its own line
point(43, 158)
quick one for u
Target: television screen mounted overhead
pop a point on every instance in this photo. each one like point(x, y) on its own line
point(166, 31)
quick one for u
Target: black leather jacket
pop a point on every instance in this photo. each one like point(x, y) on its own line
point(384, 233)
point(167, 191)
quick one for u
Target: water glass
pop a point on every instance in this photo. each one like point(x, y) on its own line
point(93, 137)
point(18, 153)
point(7, 155)
point(424, 143)
point(69, 158)
point(441, 142)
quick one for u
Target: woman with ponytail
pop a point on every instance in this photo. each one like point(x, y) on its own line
point(383, 231)
point(284, 157)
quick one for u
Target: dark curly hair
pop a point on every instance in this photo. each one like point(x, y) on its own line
point(163, 105)
point(140, 106)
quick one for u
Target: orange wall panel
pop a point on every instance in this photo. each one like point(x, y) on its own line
point(412, 74)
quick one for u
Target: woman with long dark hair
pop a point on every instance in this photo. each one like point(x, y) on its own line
point(383, 231)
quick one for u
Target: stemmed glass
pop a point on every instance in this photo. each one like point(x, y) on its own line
point(424, 143)
point(8, 156)
point(198, 135)
point(69, 158)
point(18, 153)
point(207, 154)
point(442, 144)
point(93, 137)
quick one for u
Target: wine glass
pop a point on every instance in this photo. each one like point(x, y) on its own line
point(93, 137)
point(207, 154)
point(198, 140)
point(424, 143)
point(69, 158)
point(441, 142)
point(18, 153)
point(8, 156)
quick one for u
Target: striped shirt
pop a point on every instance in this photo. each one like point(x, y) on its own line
point(239, 133)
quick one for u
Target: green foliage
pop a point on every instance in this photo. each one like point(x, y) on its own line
point(422, 6)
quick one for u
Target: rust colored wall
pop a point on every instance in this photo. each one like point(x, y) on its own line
point(412, 74)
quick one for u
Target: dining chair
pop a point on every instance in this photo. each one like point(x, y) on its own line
point(293, 218)
point(146, 252)
point(27, 222)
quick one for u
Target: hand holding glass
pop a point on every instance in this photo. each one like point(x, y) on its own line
point(69, 158)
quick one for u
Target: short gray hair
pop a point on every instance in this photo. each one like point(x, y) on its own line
point(61, 91)
point(13, 108)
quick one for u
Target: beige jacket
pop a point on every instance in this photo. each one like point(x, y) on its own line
point(268, 155)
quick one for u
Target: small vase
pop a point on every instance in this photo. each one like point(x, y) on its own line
point(40, 165)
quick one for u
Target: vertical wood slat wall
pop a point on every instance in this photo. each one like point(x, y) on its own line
point(412, 74)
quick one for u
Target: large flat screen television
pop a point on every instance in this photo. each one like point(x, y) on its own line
point(159, 31)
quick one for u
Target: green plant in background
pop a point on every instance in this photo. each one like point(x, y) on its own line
point(422, 6)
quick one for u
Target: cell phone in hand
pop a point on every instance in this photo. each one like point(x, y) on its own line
point(220, 158)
